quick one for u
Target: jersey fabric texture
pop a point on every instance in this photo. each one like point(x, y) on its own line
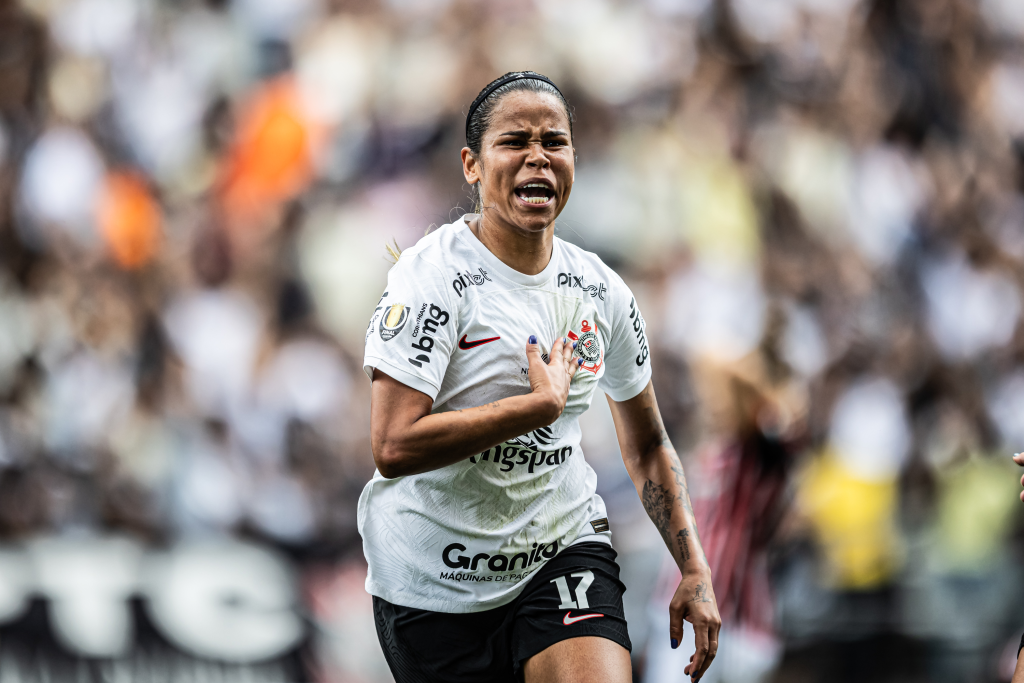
point(453, 324)
point(428, 647)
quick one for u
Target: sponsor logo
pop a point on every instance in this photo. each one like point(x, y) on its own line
point(452, 557)
point(392, 322)
point(542, 436)
point(588, 347)
point(467, 345)
point(373, 318)
point(638, 328)
point(568, 620)
point(436, 317)
point(600, 525)
point(467, 279)
point(569, 280)
point(509, 457)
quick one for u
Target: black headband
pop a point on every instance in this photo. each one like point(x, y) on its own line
point(505, 80)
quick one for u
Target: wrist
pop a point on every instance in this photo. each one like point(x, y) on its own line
point(546, 407)
point(695, 566)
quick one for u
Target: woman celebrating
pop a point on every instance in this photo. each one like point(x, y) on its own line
point(489, 551)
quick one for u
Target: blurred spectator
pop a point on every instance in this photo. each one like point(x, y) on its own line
point(820, 204)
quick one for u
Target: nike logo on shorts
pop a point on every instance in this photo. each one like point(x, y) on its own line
point(569, 620)
point(467, 345)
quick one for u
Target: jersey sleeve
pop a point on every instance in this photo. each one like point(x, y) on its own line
point(627, 360)
point(413, 328)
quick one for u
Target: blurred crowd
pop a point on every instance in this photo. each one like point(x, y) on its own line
point(818, 203)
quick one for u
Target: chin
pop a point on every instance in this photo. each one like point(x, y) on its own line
point(536, 222)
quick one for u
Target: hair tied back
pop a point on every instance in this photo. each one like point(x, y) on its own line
point(505, 80)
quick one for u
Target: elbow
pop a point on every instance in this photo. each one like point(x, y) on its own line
point(390, 461)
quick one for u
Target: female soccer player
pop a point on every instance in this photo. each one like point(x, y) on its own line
point(489, 551)
point(1018, 674)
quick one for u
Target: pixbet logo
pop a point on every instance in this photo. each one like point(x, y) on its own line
point(569, 280)
point(467, 279)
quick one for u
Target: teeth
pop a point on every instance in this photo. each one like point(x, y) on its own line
point(544, 185)
point(535, 200)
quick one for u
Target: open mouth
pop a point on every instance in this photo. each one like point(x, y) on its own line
point(535, 194)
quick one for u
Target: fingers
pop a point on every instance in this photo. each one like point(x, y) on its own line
point(558, 348)
point(568, 353)
point(712, 649)
point(1019, 458)
point(700, 656)
point(533, 354)
point(675, 627)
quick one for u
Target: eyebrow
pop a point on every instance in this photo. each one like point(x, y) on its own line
point(523, 133)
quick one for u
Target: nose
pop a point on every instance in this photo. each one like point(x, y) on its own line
point(536, 157)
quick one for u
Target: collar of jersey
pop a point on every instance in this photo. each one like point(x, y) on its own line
point(494, 264)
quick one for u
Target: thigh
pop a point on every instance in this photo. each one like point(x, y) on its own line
point(587, 659)
point(570, 618)
point(427, 647)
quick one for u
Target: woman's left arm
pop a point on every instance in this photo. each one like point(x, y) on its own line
point(658, 475)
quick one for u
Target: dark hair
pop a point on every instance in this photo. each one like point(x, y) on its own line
point(478, 120)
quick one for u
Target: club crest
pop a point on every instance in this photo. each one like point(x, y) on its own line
point(588, 347)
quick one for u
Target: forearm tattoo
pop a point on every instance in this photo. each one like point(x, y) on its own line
point(684, 489)
point(684, 547)
point(658, 502)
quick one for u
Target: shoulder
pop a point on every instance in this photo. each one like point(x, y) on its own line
point(430, 256)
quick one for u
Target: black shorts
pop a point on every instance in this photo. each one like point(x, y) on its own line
point(423, 646)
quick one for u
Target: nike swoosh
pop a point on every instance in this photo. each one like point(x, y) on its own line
point(467, 345)
point(568, 620)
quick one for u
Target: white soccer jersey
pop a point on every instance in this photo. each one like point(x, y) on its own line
point(454, 324)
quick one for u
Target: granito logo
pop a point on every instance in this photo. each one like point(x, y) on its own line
point(467, 279)
point(510, 457)
point(569, 280)
point(425, 343)
point(638, 328)
point(392, 322)
point(453, 557)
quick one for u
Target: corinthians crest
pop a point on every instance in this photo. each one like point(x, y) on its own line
point(588, 347)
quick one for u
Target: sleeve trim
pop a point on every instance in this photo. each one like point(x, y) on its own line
point(403, 376)
point(630, 390)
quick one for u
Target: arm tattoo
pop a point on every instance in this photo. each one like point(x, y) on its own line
point(684, 490)
point(658, 502)
point(684, 547)
point(700, 594)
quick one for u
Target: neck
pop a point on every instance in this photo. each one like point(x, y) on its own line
point(527, 252)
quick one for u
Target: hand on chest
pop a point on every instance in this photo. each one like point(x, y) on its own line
point(489, 358)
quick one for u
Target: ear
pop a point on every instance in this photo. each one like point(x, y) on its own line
point(470, 166)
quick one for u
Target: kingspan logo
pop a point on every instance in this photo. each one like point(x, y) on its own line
point(453, 557)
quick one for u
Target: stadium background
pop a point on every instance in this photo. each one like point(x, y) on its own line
point(817, 202)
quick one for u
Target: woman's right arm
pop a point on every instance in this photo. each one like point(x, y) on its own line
point(407, 439)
